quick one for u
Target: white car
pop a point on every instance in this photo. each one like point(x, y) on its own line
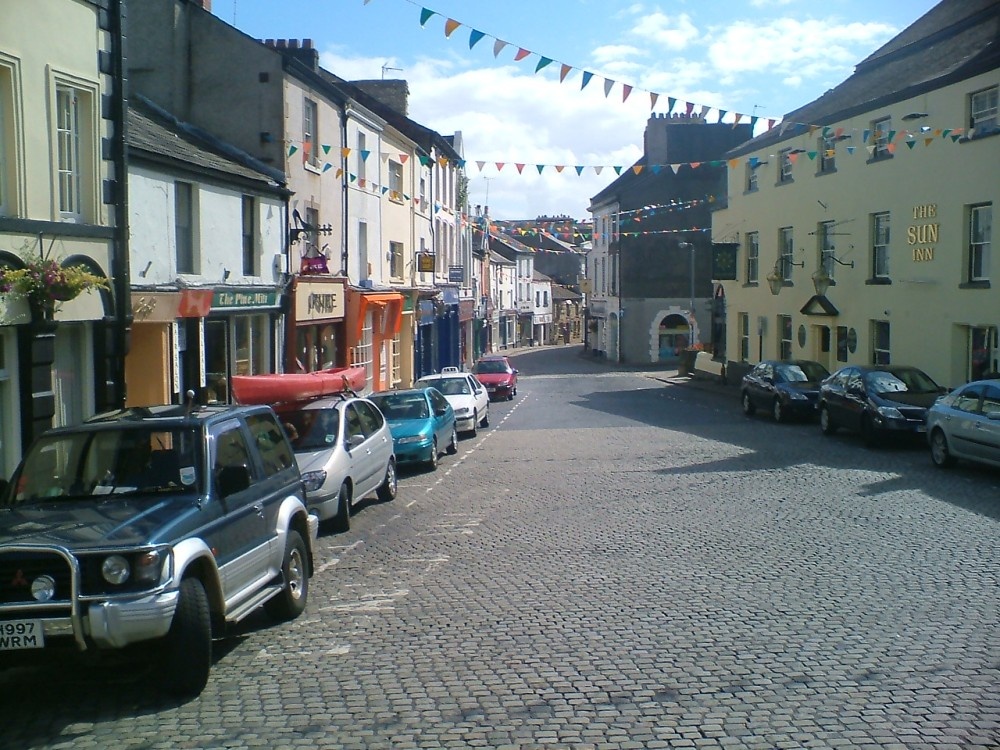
point(467, 396)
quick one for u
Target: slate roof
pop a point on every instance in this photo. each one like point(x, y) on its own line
point(561, 293)
point(156, 135)
point(953, 41)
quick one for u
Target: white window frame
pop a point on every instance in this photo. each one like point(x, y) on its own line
point(751, 181)
point(310, 132)
point(785, 165)
point(786, 246)
point(983, 106)
point(744, 336)
point(396, 259)
point(69, 167)
point(8, 142)
point(361, 161)
point(753, 257)
point(824, 238)
point(881, 128)
point(980, 241)
point(784, 337)
point(397, 360)
point(395, 170)
point(361, 355)
point(881, 232)
point(827, 154)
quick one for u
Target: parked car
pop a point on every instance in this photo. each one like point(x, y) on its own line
point(467, 396)
point(966, 424)
point(344, 449)
point(498, 375)
point(160, 525)
point(786, 388)
point(422, 423)
point(877, 400)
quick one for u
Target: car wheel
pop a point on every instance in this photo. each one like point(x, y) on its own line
point(777, 411)
point(453, 445)
point(868, 433)
point(826, 422)
point(187, 647)
point(475, 424)
point(342, 520)
point(387, 490)
point(432, 462)
point(940, 454)
point(748, 407)
point(291, 602)
point(486, 417)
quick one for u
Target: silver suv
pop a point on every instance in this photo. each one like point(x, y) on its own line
point(344, 449)
point(161, 524)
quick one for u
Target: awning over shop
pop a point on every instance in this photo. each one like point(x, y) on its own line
point(391, 306)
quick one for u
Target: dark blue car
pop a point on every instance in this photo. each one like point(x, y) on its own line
point(785, 388)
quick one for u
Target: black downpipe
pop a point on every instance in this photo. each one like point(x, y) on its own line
point(122, 321)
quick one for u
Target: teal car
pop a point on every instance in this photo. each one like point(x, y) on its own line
point(422, 423)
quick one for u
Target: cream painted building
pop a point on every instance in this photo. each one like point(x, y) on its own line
point(862, 226)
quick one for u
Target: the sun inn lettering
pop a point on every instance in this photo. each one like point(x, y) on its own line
point(924, 236)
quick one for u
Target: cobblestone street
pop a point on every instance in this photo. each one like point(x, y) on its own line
point(621, 560)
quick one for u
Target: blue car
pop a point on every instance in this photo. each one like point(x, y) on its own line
point(422, 423)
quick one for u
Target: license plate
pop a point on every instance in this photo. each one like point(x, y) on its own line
point(21, 634)
point(491, 389)
point(922, 428)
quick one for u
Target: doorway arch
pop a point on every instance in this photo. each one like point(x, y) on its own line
point(671, 335)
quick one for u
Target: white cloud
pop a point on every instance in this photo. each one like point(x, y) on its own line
point(610, 54)
point(672, 32)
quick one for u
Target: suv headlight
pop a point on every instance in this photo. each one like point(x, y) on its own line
point(147, 566)
point(115, 569)
point(313, 480)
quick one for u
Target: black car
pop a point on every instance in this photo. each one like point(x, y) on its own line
point(877, 401)
point(785, 388)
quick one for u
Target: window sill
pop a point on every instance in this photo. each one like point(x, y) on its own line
point(980, 136)
point(985, 284)
point(310, 167)
point(879, 281)
point(748, 191)
point(751, 284)
point(789, 181)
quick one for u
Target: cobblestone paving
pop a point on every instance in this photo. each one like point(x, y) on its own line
point(621, 560)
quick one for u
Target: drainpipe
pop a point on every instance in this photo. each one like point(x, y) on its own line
point(122, 320)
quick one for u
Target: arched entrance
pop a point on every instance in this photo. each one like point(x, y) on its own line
point(673, 337)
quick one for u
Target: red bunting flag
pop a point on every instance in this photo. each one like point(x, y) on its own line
point(563, 72)
point(520, 167)
point(521, 54)
point(626, 90)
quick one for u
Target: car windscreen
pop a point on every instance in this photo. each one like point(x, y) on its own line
point(128, 461)
point(312, 429)
point(490, 366)
point(402, 406)
point(448, 386)
point(908, 380)
point(802, 372)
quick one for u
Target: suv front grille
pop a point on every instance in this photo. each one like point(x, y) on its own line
point(19, 568)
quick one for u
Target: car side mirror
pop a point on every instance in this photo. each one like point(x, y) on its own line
point(355, 440)
point(514, 371)
point(440, 412)
point(233, 479)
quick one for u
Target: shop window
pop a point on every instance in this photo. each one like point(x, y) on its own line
point(251, 345)
point(982, 352)
point(396, 363)
point(217, 361)
point(880, 342)
point(362, 353)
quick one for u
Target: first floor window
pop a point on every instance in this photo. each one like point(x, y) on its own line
point(980, 240)
point(184, 226)
point(753, 256)
point(250, 264)
point(787, 250)
point(396, 259)
point(68, 154)
point(881, 140)
point(785, 165)
point(842, 348)
point(744, 332)
point(880, 245)
point(826, 248)
point(880, 342)
point(310, 133)
point(395, 180)
point(983, 110)
point(362, 353)
point(785, 334)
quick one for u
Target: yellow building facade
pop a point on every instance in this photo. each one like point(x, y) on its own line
point(862, 227)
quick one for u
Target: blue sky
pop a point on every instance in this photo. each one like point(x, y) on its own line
point(759, 58)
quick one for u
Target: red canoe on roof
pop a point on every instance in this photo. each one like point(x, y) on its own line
point(296, 386)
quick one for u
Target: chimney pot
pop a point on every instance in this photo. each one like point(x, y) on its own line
point(293, 44)
point(307, 43)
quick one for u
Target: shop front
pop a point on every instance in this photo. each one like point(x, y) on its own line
point(319, 307)
point(373, 325)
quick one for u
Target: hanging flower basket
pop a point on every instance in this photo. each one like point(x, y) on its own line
point(43, 283)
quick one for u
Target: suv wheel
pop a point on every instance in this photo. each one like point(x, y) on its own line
point(290, 603)
point(342, 520)
point(187, 647)
point(387, 490)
